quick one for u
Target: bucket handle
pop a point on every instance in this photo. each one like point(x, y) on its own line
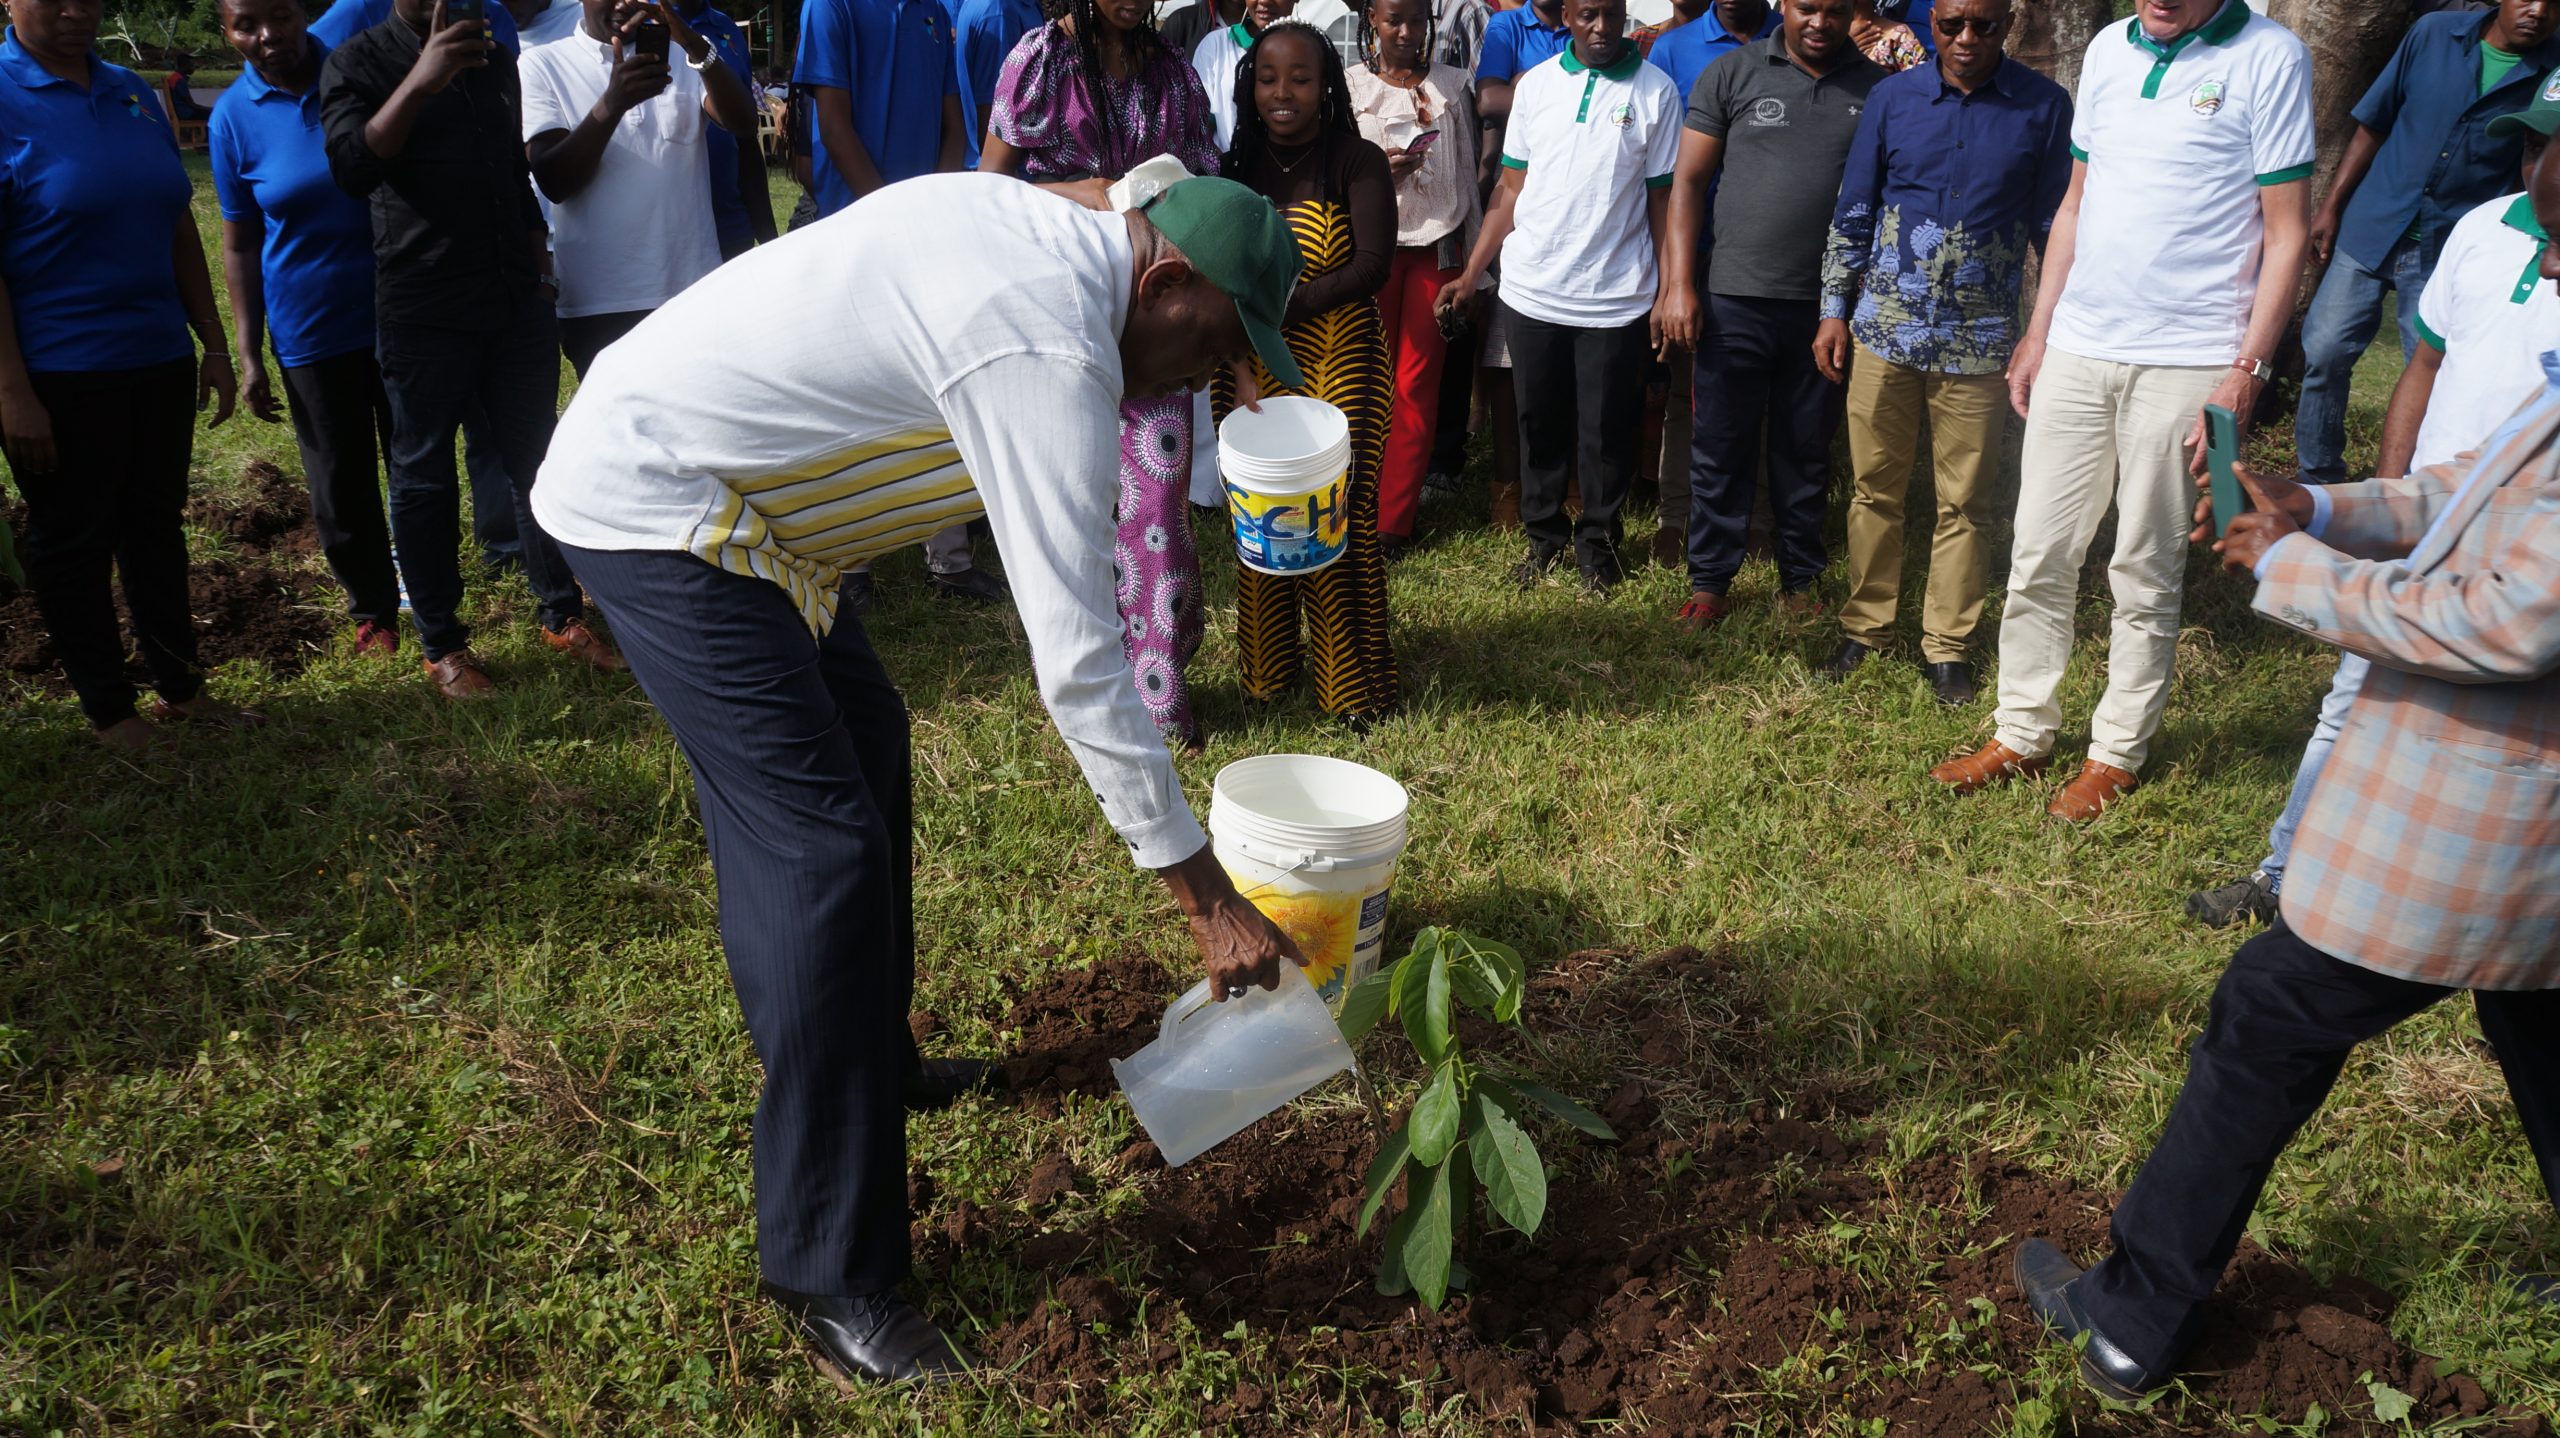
point(1181, 1010)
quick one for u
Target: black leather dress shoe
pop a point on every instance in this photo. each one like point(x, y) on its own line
point(2542, 1288)
point(1846, 658)
point(880, 1337)
point(1952, 683)
point(939, 1083)
point(2046, 1278)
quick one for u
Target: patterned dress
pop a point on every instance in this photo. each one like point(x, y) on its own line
point(1044, 107)
point(1342, 354)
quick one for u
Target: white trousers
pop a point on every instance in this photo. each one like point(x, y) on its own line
point(2097, 431)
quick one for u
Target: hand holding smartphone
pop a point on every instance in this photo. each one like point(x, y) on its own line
point(2221, 452)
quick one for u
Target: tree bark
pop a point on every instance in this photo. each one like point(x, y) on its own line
point(2052, 35)
point(2350, 42)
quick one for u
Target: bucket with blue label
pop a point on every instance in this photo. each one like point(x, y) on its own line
point(1287, 473)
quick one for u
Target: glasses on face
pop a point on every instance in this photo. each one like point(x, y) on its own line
point(1952, 26)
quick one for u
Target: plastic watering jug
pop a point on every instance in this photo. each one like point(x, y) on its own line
point(1216, 1068)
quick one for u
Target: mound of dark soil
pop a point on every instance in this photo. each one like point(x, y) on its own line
point(1677, 1267)
point(268, 604)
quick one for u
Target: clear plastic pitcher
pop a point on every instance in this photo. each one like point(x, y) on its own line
point(1216, 1068)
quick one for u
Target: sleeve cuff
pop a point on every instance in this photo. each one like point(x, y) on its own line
point(2319, 525)
point(2079, 154)
point(2287, 175)
point(2259, 570)
point(1663, 182)
point(1165, 841)
point(1834, 307)
point(2427, 332)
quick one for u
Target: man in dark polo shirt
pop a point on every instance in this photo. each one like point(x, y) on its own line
point(1777, 117)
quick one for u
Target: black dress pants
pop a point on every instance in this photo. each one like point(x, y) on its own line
point(583, 337)
point(342, 425)
point(1581, 418)
point(799, 750)
point(113, 509)
point(1755, 380)
point(2284, 1017)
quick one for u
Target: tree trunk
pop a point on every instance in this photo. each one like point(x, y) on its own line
point(2350, 42)
point(2052, 35)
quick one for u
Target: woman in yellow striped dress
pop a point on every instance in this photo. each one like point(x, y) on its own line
point(1298, 143)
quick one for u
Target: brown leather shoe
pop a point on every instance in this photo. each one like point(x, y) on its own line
point(133, 735)
point(588, 645)
point(2091, 792)
point(1993, 763)
point(459, 675)
point(207, 711)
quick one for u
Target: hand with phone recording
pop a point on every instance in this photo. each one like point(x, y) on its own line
point(2278, 507)
point(455, 42)
point(641, 72)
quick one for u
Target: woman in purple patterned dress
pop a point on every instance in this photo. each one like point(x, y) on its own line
point(1082, 100)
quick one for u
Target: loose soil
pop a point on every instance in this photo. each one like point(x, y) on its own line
point(1689, 1280)
point(266, 600)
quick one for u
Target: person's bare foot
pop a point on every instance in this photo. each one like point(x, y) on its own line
point(133, 735)
point(208, 711)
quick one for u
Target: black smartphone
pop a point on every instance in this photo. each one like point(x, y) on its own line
point(458, 12)
point(649, 38)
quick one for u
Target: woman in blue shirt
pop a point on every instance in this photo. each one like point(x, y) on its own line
point(297, 256)
point(102, 274)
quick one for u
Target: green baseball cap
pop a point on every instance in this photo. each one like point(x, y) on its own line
point(2541, 117)
point(1239, 243)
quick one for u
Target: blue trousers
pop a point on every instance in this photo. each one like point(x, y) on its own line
point(798, 746)
point(2315, 757)
point(2284, 1017)
point(2344, 314)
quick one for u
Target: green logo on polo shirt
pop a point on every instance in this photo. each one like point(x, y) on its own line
point(2207, 99)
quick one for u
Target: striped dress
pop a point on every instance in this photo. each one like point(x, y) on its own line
point(1343, 355)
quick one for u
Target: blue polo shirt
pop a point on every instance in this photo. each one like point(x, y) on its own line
point(2437, 162)
point(347, 19)
point(1684, 52)
point(896, 59)
point(728, 207)
point(989, 29)
point(91, 192)
point(270, 168)
point(1515, 41)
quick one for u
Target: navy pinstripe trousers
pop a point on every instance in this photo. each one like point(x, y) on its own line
point(801, 770)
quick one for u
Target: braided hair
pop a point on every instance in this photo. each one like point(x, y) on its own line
point(1369, 34)
point(1335, 119)
point(1145, 45)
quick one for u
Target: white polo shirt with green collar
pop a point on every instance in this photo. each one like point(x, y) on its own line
point(1592, 145)
point(2179, 139)
point(2488, 309)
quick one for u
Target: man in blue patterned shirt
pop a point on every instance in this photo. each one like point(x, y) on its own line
point(1954, 176)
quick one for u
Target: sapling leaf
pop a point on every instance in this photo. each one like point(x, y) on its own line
point(1423, 999)
point(1434, 1123)
point(1366, 1004)
point(1382, 1176)
point(1475, 987)
point(1557, 1104)
point(1391, 1275)
point(1430, 1233)
point(1506, 1163)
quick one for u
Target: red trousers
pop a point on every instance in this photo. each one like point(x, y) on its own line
point(1416, 350)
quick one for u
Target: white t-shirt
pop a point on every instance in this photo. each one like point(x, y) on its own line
point(1592, 145)
point(642, 229)
point(558, 21)
point(2178, 141)
point(2488, 308)
point(1215, 63)
point(864, 381)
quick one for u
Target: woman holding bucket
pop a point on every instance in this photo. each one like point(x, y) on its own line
point(1299, 145)
point(1082, 101)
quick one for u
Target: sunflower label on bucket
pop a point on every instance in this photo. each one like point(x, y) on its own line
point(1289, 534)
point(1287, 475)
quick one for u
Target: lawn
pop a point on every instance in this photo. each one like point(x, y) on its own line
point(378, 1074)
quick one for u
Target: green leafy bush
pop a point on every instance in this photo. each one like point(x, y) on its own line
point(1464, 1130)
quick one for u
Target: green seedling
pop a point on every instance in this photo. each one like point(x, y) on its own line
point(1463, 1131)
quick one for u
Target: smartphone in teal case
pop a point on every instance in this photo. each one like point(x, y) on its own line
point(2221, 452)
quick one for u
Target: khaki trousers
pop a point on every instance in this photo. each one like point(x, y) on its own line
point(1965, 411)
point(2100, 431)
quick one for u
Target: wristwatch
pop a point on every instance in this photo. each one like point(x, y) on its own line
point(2256, 369)
point(710, 56)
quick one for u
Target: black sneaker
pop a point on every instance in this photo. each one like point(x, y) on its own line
point(969, 586)
point(2237, 902)
point(1601, 573)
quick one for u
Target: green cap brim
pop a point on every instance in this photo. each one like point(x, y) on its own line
point(1273, 350)
point(2538, 119)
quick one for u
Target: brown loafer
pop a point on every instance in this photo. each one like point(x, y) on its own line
point(208, 711)
point(1993, 763)
point(588, 645)
point(459, 675)
point(2091, 792)
point(133, 735)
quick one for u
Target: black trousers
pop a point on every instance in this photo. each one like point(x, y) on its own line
point(112, 510)
point(2284, 1017)
point(435, 377)
point(342, 423)
point(798, 746)
point(1581, 417)
point(1755, 381)
point(583, 337)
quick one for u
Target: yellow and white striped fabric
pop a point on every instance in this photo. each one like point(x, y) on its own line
point(803, 527)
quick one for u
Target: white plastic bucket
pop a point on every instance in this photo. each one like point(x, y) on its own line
point(1287, 468)
point(1313, 843)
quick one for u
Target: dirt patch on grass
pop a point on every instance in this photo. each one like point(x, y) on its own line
point(1693, 1279)
point(265, 601)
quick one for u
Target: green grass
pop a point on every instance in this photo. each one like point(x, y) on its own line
point(378, 1074)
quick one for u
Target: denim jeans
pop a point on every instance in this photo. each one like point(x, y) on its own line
point(2315, 757)
point(434, 378)
point(2341, 321)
